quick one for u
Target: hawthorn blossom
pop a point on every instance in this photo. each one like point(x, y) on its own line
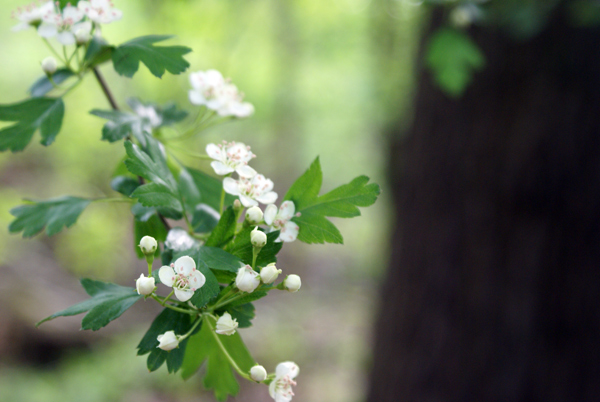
point(148, 245)
point(258, 373)
point(168, 341)
point(231, 157)
point(226, 325)
point(258, 238)
point(251, 191)
point(280, 388)
point(183, 277)
point(63, 25)
point(210, 89)
point(269, 273)
point(247, 279)
point(281, 220)
point(144, 285)
point(31, 15)
point(292, 283)
point(49, 65)
point(100, 11)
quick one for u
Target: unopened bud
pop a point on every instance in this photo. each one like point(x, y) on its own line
point(144, 286)
point(247, 279)
point(258, 373)
point(237, 205)
point(49, 65)
point(148, 245)
point(82, 36)
point(258, 238)
point(168, 341)
point(292, 283)
point(269, 273)
point(254, 215)
point(226, 325)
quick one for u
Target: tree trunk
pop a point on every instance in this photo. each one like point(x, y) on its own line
point(493, 288)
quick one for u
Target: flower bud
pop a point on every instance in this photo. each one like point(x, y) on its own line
point(168, 341)
point(237, 205)
point(82, 36)
point(144, 285)
point(226, 325)
point(247, 279)
point(254, 215)
point(292, 283)
point(258, 238)
point(49, 65)
point(269, 273)
point(148, 245)
point(258, 373)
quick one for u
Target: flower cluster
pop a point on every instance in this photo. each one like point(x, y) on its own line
point(210, 89)
point(70, 25)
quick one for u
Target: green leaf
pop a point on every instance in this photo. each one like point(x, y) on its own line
point(453, 57)
point(204, 219)
point(45, 114)
point(108, 302)
point(53, 214)
point(151, 166)
point(248, 298)
point(219, 376)
point(342, 202)
point(243, 313)
point(126, 58)
point(209, 189)
point(157, 195)
point(167, 320)
point(209, 290)
point(218, 259)
point(98, 52)
point(120, 124)
point(43, 85)
point(242, 248)
point(224, 231)
point(124, 184)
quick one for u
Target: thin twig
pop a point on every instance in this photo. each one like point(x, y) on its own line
point(105, 89)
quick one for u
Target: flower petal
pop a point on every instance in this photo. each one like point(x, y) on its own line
point(183, 295)
point(270, 214)
point(196, 98)
point(166, 275)
point(214, 152)
point(231, 186)
point(46, 30)
point(289, 232)
point(245, 171)
point(286, 211)
point(290, 369)
point(66, 38)
point(247, 201)
point(267, 198)
point(197, 280)
point(220, 168)
point(185, 265)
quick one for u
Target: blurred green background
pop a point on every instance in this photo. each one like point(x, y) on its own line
point(325, 77)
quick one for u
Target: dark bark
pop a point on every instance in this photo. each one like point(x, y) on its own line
point(493, 288)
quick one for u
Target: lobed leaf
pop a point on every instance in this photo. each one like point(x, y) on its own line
point(157, 195)
point(52, 214)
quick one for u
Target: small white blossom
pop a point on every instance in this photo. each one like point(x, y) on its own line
point(247, 279)
point(144, 286)
point(231, 157)
point(258, 373)
point(254, 215)
point(100, 11)
point(280, 388)
point(251, 191)
point(148, 245)
point(63, 25)
point(281, 220)
point(168, 341)
point(269, 273)
point(31, 15)
point(49, 65)
point(292, 283)
point(183, 277)
point(210, 89)
point(226, 325)
point(258, 238)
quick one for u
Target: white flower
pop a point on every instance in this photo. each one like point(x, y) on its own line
point(292, 283)
point(258, 373)
point(148, 245)
point(144, 285)
point(168, 341)
point(183, 277)
point(226, 325)
point(269, 273)
point(254, 215)
point(251, 191)
point(49, 65)
point(232, 157)
point(280, 220)
point(83, 33)
point(100, 11)
point(31, 15)
point(247, 279)
point(280, 388)
point(258, 238)
point(63, 25)
point(210, 89)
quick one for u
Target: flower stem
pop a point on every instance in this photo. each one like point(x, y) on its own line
point(105, 89)
point(54, 51)
point(223, 349)
point(181, 310)
point(255, 251)
point(198, 321)
point(168, 297)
